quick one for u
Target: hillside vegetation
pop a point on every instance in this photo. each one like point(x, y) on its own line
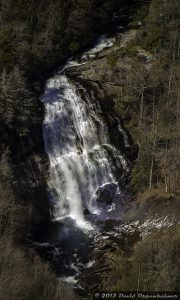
point(141, 73)
point(155, 86)
point(146, 71)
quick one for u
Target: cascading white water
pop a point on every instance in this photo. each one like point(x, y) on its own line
point(76, 140)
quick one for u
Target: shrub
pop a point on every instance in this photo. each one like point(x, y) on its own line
point(22, 278)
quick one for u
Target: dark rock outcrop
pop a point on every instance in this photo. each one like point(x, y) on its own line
point(105, 194)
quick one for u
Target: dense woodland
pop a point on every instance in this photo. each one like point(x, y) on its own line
point(148, 100)
point(157, 95)
point(35, 37)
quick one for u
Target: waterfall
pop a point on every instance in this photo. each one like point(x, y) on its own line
point(78, 145)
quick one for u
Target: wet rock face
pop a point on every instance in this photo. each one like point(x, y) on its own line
point(119, 136)
point(105, 194)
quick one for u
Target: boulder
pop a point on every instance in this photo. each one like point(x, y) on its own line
point(106, 193)
point(106, 245)
point(86, 212)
